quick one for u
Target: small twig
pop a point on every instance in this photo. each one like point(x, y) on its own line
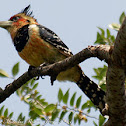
point(66, 122)
point(77, 110)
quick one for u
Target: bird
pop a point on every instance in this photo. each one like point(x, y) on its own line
point(37, 44)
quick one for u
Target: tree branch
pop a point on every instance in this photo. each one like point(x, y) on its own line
point(116, 98)
point(100, 51)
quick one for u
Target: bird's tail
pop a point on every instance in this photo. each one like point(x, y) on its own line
point(91, 89)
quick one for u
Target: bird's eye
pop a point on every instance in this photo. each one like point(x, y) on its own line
point(28, 21)
point(14, 18)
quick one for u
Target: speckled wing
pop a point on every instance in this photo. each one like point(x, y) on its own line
point(50, 37)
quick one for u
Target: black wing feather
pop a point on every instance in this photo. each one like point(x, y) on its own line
point(50, 37)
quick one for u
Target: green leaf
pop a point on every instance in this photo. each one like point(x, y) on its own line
point(102, 31)
point(32, 82)
point(60, 95)
point(62, 115)
point(100, 73)
point(113, 38)
point(20, 117)
point(72, 99)
point(100, 39)
point(114, 26)
point(75, 118)
point(103, 87)
point(88, 104)
point(122, 17)
point(84, 106)
point(37, 111)
point(108, 33)
point(55, 114)
point(38, 125)
point(6, 113)
point(3, 73)
point(15, 69)
point(95, 123)
point(11, 114)
point(38, 97)
point(99, 36)
point(78, 102)
point(35, 86)
point(101, 76)
point(1, 110)
point(79, 121)
point(89, 110)
point(33, 114)
point(50, 107)
point(23, 118)
point(43, 102)
point(66, 96)
point(70, 117)
point(101, 120)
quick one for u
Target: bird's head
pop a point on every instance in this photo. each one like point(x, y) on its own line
point(19, 20)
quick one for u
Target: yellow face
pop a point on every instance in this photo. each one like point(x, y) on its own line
point(19, 20)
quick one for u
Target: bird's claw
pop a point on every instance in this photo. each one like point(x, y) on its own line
point(32, 67)
point(44, 64)
point(29, 70)
point(37, 78)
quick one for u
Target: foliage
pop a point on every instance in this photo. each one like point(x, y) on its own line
point(116, 26)
point(6, 118)
point(66, 105)
point(105, 37)
point(15, 69)
point(101, 76)
point(69, 108)
point(3, 73)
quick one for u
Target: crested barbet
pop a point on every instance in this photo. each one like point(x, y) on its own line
point(37, 44)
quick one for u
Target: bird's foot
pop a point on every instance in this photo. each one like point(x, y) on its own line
point(52, 75)
point(29, 70)
point(41, 65)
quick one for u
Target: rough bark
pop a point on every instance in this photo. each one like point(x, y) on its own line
point(116, 98)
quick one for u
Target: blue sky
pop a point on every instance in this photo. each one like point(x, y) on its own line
point(76, 24)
